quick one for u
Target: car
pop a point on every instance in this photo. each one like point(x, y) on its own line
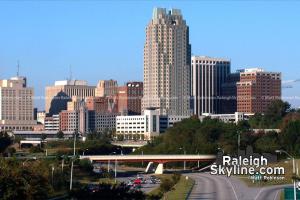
point(137, 181)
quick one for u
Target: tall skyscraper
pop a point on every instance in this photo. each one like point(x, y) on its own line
point(130, 98)
point(208, 75)
point(257, 89)
point(16, 105)
point(167, 59)
point(58, 95)
point(106, 88)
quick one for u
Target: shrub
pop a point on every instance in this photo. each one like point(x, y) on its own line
point(36, 149)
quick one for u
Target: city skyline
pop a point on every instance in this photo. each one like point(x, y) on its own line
point(47, 45)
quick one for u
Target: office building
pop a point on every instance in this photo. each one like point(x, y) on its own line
point(146, 126)
point(16, 105)
point(75, 104)
point(208, 75)
point(105, 122)
point(229, 93)
point(107, 104)
point(52, 123)
point(167, 58)
point(257, 89)
point(130, 98)
point(62, 92)
point(106, 88)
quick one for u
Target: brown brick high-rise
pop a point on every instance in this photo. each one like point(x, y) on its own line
point(257, 89)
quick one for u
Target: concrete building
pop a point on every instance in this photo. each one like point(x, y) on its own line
point(208, 75)
point(106, 88)
point(130, 98)
point(16, 105)
point(257, 89)
point(62, 92)
point(167, 59)
point(74, 120)
point(107, 104)
point(105, 122)
point(52, 123)
point(228, 118)
point(146, 126)
point(75, 104)
point(69, 120)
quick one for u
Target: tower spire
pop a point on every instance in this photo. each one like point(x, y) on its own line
point(18, 68)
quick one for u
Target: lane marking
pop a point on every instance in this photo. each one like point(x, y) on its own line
point(232, 188)
point(258, 193)
point(277, 194)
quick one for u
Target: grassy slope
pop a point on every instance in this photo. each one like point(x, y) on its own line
point(288, 175)
point(179, 191)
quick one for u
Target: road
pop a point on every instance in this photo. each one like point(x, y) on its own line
point(146, 187)
point(223, 188)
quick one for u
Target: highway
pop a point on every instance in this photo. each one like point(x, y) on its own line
point(223, 188)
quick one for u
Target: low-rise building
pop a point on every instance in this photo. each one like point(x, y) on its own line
point(146, 126)
point(41, 115)
point(228, 118)
point(52, 123)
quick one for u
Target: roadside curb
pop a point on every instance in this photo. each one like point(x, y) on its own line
point(191, 189)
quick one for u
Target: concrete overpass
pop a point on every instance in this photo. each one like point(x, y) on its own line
point(160, 159)
point(132, 144)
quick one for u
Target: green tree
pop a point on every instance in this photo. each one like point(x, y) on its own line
point(290, 137)
point(43, 137)
point(108, 191)
point(272, 141)
point(275, 112)
point(5, 141)
point(60, 134)
point(23, 182)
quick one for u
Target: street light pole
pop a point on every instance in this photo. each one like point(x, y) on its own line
point(52, 174)
point(142, 160)
point(72, 164)
point(62, 164)
point(108, 163)
point(115, 170)
point(294, 169)
point(198, 163)
point(239, 141)
point(184, 163)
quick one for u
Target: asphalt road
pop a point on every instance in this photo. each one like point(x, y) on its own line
point(223, 188)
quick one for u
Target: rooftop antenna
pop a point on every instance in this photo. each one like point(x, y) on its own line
point(18, 68)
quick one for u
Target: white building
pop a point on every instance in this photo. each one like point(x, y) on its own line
point(228, 118)
point(146, 126)
point(52, 123)
point(41, 115)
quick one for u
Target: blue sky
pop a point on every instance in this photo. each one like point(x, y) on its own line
point(104, 39)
